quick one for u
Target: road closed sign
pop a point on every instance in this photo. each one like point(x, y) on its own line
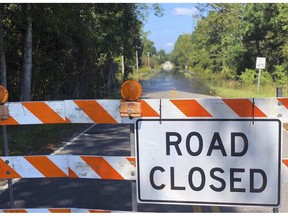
point(209, 161)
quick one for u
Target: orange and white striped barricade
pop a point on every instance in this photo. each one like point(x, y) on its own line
point(72, 166)
point(225, 108)
point(57, 210)
point(25, 113)
point(98, 167)
point(107, 111)
point(38, 210)
point(52, 166)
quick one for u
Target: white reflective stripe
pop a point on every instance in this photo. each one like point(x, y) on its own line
point(60, 161)
point(35, 210)
point(81, 168)
point(23, 167)
point(22, 115)
point(271, 107)
point(285, 171)
point(75, 114)
point(217, 108)
point(111, 107)
point(122, 166)
point(58, 107)
point(170, 111)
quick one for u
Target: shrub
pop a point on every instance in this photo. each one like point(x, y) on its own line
point(248, 77)
point(279, 75)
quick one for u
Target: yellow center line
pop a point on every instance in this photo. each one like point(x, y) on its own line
point(215, 209)
point(197, 209)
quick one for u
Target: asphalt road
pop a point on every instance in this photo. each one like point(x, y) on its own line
point(113, 140)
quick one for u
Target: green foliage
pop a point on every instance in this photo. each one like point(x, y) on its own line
point(228, 38)
point(280, 75)
point(266, 78)
point(248, 77)
point(74, 47)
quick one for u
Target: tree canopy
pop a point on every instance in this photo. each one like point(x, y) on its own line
point(75, 47)
point(229, 37)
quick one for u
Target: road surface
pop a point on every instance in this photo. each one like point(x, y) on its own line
point(112, 140)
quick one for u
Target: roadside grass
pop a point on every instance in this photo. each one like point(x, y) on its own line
point(225, 88)
point(38, 139)
point(234, 89)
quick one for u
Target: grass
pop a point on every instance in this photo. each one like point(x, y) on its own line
point(38, 139)
point(234, 89)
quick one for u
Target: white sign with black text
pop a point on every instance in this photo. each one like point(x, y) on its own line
point(209, 161)
point(260, 63)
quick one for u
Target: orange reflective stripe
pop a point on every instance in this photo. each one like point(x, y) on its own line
point(191, 108)
point(285, 161)
point(99, 211)
point(147, 110)
point(7, 172)
point(284, 101)
point(9, 121)
point(102, 167)
point(15, 211)
point(44, 165)
point(52, 210)
point(132, 160)
point(67, 120)
point(72, 174)
point(244, 107)
point(95, 111)
point(43, 112)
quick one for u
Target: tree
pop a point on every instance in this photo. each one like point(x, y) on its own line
point(75, 48)
point(182, 50)
point(3, 76)
point(27, 53)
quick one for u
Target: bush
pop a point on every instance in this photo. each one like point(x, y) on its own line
point(248, 77)
point(266, 78)
point(280, 76)
point(227, 73)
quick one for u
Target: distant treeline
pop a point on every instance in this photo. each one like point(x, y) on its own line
point(228, 38)
point(62, 51)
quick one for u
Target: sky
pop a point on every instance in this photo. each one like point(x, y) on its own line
point(165, 30)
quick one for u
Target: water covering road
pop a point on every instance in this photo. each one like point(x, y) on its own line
point(171, 85)
point(112, 140)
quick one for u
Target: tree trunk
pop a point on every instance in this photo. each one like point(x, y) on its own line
point(3, 76)
point(27, 55)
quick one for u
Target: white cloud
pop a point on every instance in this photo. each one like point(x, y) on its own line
point(170, 44)
point(178, 11)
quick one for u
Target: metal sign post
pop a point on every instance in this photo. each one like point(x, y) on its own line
point(258, 84)
point(133, 183)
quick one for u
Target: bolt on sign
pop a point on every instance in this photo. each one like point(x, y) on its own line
point(209, 161)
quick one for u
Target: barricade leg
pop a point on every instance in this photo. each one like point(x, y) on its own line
point(133, 183)
point(6, 149)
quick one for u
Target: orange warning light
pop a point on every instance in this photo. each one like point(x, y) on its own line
point(3, 95)
point(131, 90)
point(4, 114)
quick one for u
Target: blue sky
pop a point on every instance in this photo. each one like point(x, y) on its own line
point(165, 30)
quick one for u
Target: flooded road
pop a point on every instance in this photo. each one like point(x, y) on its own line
point(171, 85)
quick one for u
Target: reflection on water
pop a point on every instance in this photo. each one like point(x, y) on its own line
point(167, 81)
